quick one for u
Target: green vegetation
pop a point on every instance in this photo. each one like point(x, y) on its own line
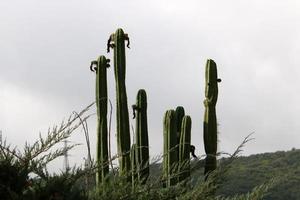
point(245, 173)
point(248, 172)
point(23, 173)
point(24, 176)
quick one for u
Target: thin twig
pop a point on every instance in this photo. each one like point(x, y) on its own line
point(85, 129)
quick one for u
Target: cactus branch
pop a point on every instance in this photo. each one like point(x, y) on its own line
point(93, 68)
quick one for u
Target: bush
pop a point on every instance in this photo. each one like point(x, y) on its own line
point(23, 176)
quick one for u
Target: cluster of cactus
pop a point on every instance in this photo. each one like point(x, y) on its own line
point(177, 142)
point(134, 160)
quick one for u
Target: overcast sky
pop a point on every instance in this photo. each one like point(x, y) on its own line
point(46, 48)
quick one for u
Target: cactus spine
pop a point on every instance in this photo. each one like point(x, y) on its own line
point(184, 148)
point(210, 119)
point(101, 103)
point(117, 42)
point(170, 159)
point(141, 137)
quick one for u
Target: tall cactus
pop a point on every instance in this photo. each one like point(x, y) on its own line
point(170, 159)
point(117, 42)
point(141, 137)
point(184, 148)
point(210, 119)
point(101, 103)
point(179, 116)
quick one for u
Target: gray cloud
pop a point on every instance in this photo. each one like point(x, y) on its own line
point(46, 48)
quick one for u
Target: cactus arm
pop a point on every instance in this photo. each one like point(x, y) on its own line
point(192, 151)
point(128, 41)
point(134, 109)
point(93, 66)
point(109, 43)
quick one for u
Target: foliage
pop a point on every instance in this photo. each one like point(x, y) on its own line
point(22, 178)
point(248, 172)
point(23, 174)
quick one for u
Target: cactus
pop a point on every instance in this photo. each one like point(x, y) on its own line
point(170, 159)
point(133, 164)
point(179, 116)
point(210, 119)
point(184, 148)
point(117, 42)
point(101, 103)
point(141, 137)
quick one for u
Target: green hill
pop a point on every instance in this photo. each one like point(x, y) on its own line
point(247, 172)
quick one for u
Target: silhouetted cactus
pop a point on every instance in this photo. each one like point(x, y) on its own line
point(99, 67)
point(179, 116)
point(210, 119)
point(117, 42)
point(141, 136)
point(184, 148)
point(170, 159)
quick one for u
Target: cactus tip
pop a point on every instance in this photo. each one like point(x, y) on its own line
point(109, 44)
point(92, 68)
point(134, 108)
point(127, 39)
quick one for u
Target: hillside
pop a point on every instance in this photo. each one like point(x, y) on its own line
point(246, 172)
